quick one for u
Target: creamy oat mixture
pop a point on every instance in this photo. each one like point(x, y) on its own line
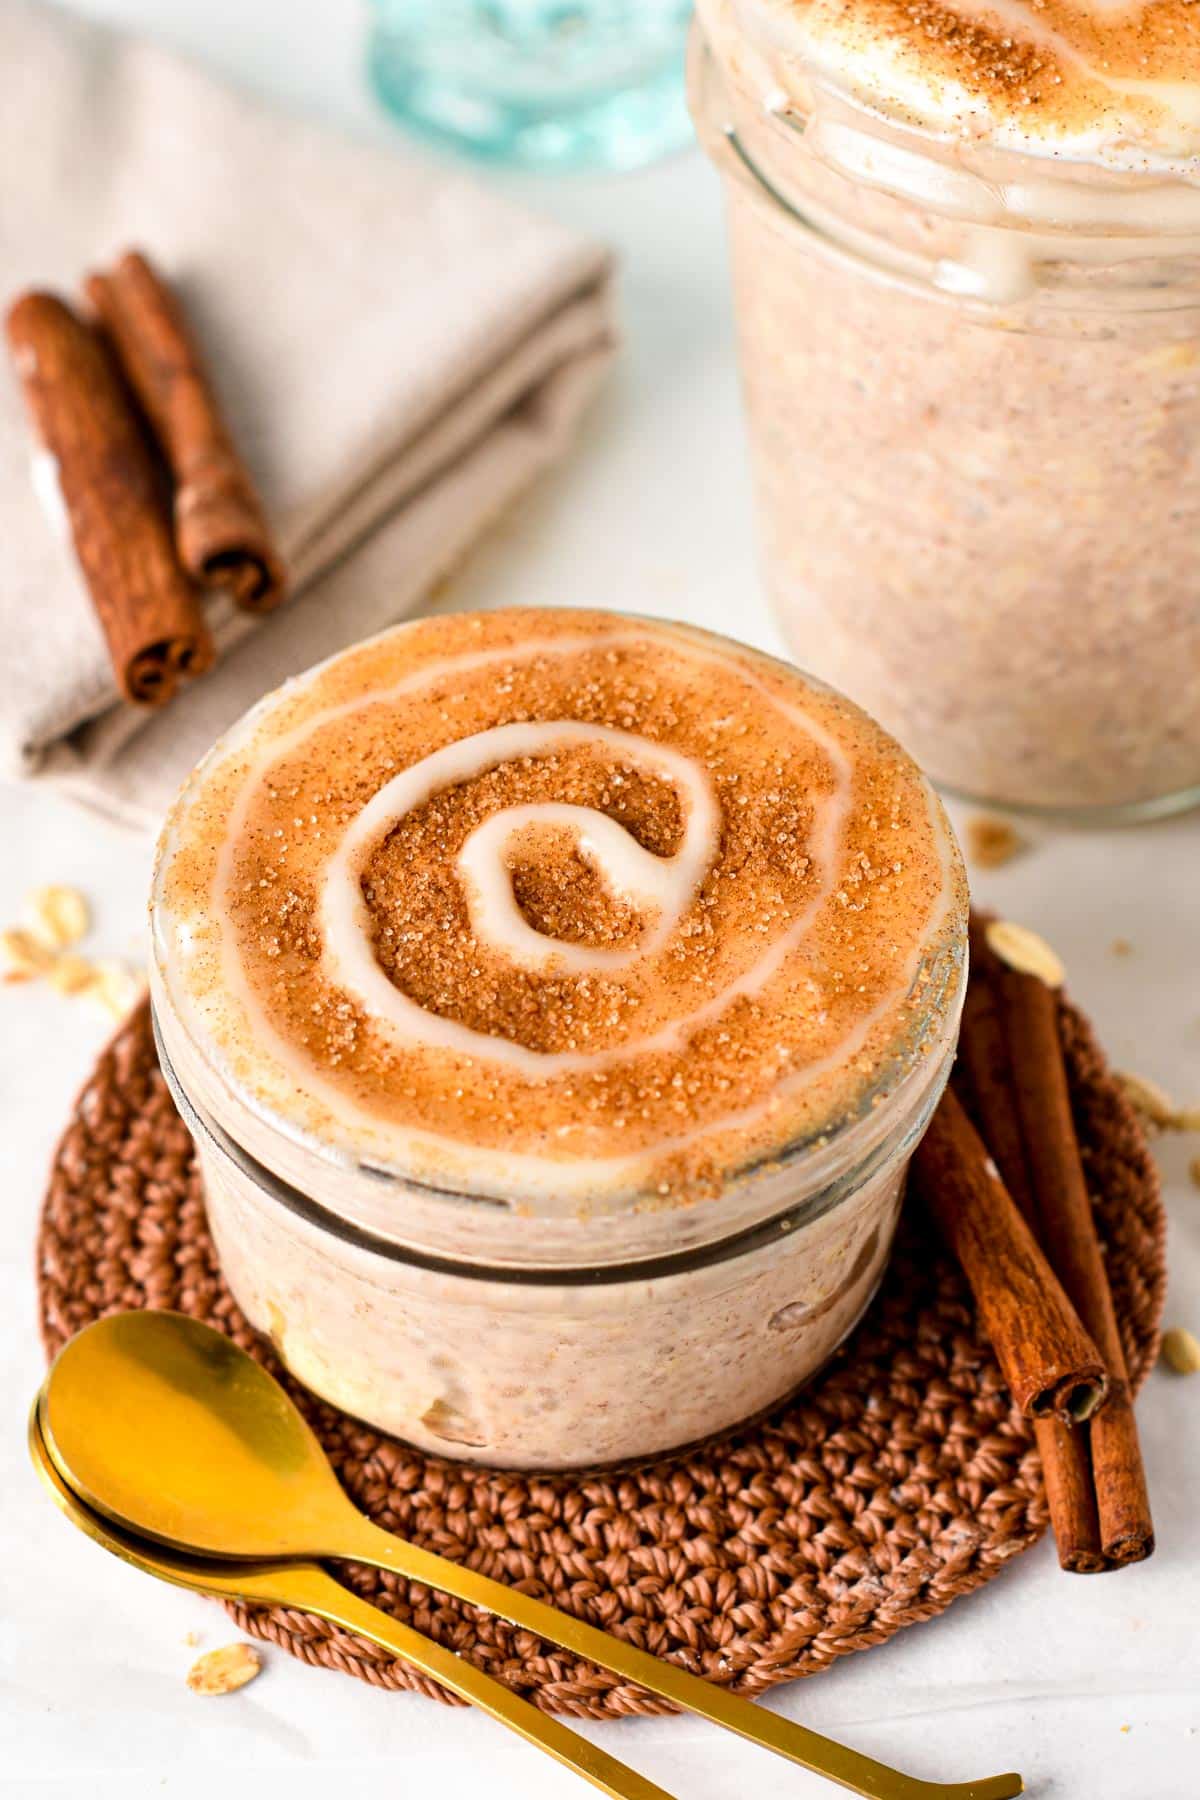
point(537, 941)
point(973, 379)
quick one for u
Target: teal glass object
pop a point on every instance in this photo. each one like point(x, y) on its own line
point(542, 84)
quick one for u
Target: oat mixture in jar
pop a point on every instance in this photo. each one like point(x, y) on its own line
point(556, 999)
point(966, 257)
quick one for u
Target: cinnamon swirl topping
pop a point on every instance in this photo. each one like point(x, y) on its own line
point(1114, 82)
point(540, 902)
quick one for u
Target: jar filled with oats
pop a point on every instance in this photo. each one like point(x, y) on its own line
point(556, 999)
point(966, 257)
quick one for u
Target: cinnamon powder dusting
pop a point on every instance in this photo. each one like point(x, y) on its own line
point(980, 54)
point(826, 882)
point(1123, 73)
point(420, 927)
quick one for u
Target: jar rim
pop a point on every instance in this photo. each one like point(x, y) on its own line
point(1097, 238)
point(830, 1160)
point(781, 1223)
point(985, 159)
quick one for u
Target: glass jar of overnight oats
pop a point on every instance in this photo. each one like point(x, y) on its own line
point(556, 999)
point(966, 259)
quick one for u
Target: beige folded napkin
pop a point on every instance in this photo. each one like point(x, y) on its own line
point(399, 351)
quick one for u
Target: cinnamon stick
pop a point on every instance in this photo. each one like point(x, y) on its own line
point(983, 1072)
point(94, 452)
point(984, 1063)
point(220, 528)
point(1067, 1228)
point(1051, 1365)
point(1070, 1495)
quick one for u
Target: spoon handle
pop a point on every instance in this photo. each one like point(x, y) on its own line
point(369, 1543)
point(312, 1590)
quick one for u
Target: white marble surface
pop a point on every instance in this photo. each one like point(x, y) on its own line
point(1088, 1686)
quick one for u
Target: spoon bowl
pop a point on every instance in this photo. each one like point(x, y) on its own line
point(215, 1576)
point(165, 1426)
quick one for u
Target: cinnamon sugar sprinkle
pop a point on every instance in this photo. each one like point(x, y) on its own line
point(422, 934)
point(979, 53)
point(827, 833)
point(1053, 67)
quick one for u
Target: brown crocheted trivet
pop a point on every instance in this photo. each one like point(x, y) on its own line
point(901, 1479)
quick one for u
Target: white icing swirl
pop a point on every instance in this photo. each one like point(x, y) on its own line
point(665, 884)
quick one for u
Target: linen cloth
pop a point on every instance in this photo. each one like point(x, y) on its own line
point(398, 351)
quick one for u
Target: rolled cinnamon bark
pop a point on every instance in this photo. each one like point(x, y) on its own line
point(220, 529)
point(984, 1077)
point(1071, 1495)
point(95, 453)
point(983, 1071)
point(1067, 1228)
point(1051, 1365)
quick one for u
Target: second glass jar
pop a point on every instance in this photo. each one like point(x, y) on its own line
point(973, 390)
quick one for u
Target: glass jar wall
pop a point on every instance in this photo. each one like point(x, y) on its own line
point(565, 1363)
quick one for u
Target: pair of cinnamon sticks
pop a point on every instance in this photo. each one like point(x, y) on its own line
point(134, 456)
point(1000, 1171)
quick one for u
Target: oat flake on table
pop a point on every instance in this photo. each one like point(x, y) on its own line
point(224, 1671)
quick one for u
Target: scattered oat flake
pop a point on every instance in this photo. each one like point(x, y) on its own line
point(1121, 947)
point(191, 1639)
point(71, 974)
point(116, 987)
point(22, 955)
point(224, 1671)
point(992, 842)
point(1181, 1351)
point(59, 915)
point(1025, 951)
point(1151, 1102)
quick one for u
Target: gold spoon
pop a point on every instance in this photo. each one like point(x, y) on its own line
point(163, 1425)
point(309, 1589)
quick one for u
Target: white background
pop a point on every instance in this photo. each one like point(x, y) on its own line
point(1089, 1686)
